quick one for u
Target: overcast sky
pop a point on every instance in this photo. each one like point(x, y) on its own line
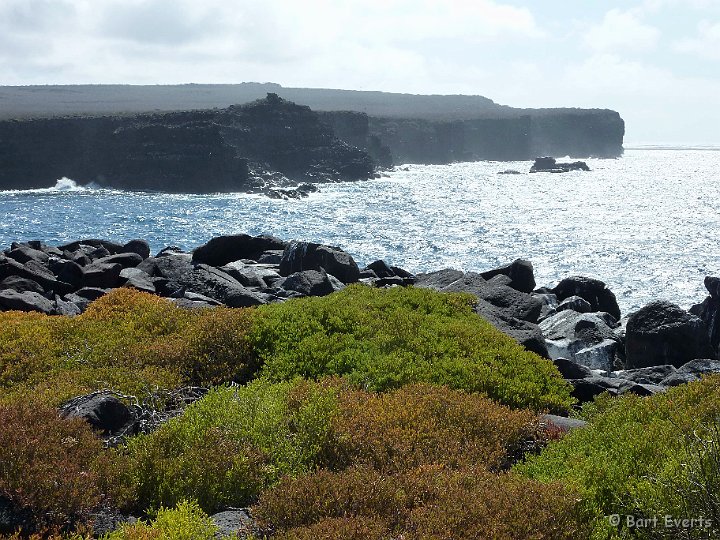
point(657, 62)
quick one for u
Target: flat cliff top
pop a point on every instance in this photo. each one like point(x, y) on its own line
point(45, 101)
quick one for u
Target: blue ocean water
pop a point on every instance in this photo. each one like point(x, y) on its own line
point(647, 224)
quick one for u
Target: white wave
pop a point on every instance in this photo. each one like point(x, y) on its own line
point(63, 185)
point(67, 184)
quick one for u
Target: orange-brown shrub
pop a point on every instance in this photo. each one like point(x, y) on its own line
point(348, 528)
point(477, 504)
point(432, 502)
point(49, 465)
point(424, 424)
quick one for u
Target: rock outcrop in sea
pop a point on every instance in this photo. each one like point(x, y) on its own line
point(578, 323)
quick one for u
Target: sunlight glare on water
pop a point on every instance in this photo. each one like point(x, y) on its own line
point(646, 224)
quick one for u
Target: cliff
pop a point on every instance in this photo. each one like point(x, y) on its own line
point(267, 143)
point(592, 133)
point(391, 127)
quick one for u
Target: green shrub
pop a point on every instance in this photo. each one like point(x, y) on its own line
point(632, 450)
point(429, 502)
point(53, 467)
point(228, 446)
point(423, 424)
point(384, 339)
point(184, 522)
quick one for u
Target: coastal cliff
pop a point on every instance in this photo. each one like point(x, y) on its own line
point(393, 128)
point(578, 133)
point(268, 143)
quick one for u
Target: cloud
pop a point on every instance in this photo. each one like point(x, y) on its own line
point(706, 44)
point(622, 31)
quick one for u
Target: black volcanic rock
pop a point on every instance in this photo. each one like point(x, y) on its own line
point(520, 272)
point(222, 250)
point(663, 333)
point(592, 290)
point(299, 256)
point(549, 164)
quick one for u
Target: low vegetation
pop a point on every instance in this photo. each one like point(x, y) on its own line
point(365, 414)
point(427, 502)
point(640, 457)
point(383, 339)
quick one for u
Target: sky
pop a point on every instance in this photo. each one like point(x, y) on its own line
point(656, 62)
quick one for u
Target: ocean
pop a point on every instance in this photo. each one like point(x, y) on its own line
point(647, 223)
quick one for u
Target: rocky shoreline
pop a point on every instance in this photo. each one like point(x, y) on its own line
point(577, 324)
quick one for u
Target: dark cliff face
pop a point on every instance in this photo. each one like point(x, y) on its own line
point(513, 138)
point(232, 149)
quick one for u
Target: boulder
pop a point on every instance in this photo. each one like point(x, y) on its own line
point(663, 333)
point(381, 269)
point(235, 523)
point(561, 422)
point(102, 275)
point(195, 297)
point(185, 303)
point(439, 279)
point(549, 304)
point(525, 333)
point(25, 301)
point(575, 303)
point(594, 291)
point(585, 338)
point(111, 247)
point(245, 274)
point(692, 371)
point(24, 254)
point(646, 375)
point(137, 279)
point(20, 284)
point(35, 272)
point(91, 293)
point(140, 247)
point(126, 260)
point(40, 246)
point(307, 283)
point(102, 410)
point(271, 256)
point(222, 250)
point(520, 273)
point(299, 256)
point(709, 312)
point(572, 370)
point(508, 301)
point(68, 271)
point(63, 307)
point(183, 275)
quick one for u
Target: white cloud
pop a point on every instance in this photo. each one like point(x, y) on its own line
point(622, 31)
point(706, 44)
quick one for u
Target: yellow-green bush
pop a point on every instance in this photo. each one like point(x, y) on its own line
point(424, 503)
point(184, 522)
point(127, 340)
point(633, 454)
point(383, 339)
point(228, 446)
